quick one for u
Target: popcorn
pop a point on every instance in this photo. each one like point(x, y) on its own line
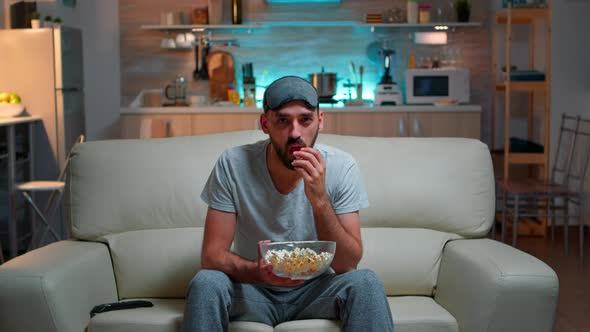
point(299, 263)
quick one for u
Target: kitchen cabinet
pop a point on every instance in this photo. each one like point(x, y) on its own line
point(176, 125)
point(448, 124)
point(218, 123)
point(188, 124)
point(389, 124)
point(360, 122)
point(405, 124)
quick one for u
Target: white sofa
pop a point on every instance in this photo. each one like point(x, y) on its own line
point(137, 223)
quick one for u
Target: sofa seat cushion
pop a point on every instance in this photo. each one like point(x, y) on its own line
point(420, 313)
point(164, 316)
point(157, 263)
point(406, 260)
point(410, 313)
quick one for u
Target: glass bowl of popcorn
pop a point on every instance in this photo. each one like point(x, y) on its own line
point(298, 260)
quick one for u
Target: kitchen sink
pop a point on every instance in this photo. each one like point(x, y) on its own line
point(153, 98)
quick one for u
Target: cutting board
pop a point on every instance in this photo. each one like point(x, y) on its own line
point(221, 70)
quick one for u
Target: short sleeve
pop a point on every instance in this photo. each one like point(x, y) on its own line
point(350, 194)
point(217, 192)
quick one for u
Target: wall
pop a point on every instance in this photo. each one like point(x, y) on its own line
point(570, 84)
point(299, 50)
point(3, 13)
point(101, 67)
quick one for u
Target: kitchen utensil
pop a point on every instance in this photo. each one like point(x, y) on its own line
point(359, 86)
point(185, 40)
point(353, 70)
point(324, 83)
point(221, 71)
point(168, 43)
point(176, 91)
point(201, 54)
point(361, 72)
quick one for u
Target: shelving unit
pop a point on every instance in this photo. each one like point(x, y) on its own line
point(538, 163)
point(530, 17)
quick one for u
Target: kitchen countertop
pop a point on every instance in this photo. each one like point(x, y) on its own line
point(328, 109)
point(346, 109)
point(135, 108)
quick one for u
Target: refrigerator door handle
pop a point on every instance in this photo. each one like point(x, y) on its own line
point(69, 89)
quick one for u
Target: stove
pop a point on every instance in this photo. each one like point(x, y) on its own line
point(327, 101)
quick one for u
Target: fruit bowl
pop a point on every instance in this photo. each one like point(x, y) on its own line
point(298, 260)
point(11, 110)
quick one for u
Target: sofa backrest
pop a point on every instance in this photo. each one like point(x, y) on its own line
point(142, 198)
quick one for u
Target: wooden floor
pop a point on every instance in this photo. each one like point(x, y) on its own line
point(573, 309)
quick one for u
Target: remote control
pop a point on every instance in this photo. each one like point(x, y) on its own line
point(119, 306)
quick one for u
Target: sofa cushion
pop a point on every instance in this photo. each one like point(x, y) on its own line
point(443, 184)
point(420, 313)
point(125, 185)
point(406, 260)
point(410, 313)
point(155, 262)
point(164, 316)
point(161, 263)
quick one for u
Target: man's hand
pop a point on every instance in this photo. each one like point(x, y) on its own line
point(312, 167)
point(266, 276)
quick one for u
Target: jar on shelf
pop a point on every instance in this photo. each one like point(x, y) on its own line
point(424, 14)
point(412, 11)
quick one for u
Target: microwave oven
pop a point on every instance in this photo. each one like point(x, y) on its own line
point(429, 86)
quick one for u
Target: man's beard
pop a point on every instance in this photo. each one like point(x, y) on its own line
point(283, 153)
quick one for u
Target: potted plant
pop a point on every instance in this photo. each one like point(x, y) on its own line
point(463, 8)
point(47, 21)
point(57, 22)
point(35, 23)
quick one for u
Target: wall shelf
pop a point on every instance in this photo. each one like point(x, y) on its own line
point(421, 25)
point(529, 86)
point(327, 24)
point(202, 27)
point(522, 15)
point(311, 24)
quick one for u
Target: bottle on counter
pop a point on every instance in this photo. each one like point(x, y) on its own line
point(412, 61)
point(232, 94)
point(236, 11)
point(412, 11)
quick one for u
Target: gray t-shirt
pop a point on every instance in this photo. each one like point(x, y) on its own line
point(240, 183)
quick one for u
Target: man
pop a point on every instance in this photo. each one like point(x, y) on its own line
point(284, 189)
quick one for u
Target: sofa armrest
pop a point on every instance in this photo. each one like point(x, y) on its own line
point(54, 287)
point(489, 286)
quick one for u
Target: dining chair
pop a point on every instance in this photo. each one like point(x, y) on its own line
point(534, 198)
point(55, 190)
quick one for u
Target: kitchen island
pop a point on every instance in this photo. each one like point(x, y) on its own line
point(378, 121)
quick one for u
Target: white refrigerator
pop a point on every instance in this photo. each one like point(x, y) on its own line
point(44, 66)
